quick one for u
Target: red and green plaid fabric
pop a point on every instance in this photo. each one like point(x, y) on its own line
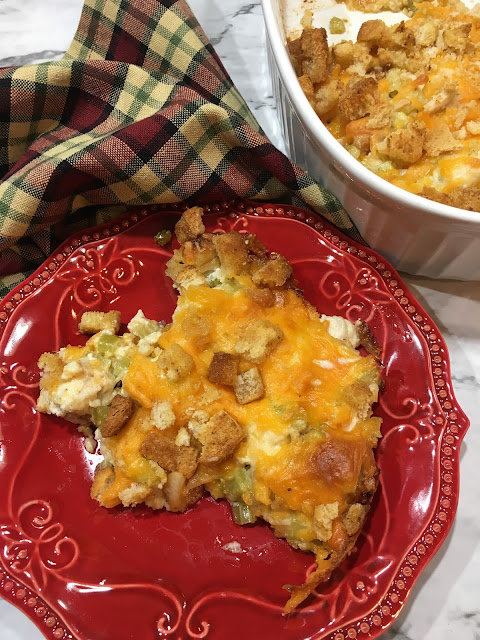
point(139, 110)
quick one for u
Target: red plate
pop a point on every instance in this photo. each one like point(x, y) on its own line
point(81, 571)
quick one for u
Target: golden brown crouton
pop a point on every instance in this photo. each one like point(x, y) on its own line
point(52, 366)
point(201, 253)
point(223, 369)
point(359, 99)
point(406, 145)
point(119, 413)
point(176, 361)
point(232, 251)
point(95, 321)
point(220, 437)
point(380, 116)
point(249, 386)
point(425, 33)
point(189, 276)
point(162, 414)
point(168, 455)
point(441, 100)
point(134, 494)
point(103, 480)
point(274, 273)
point(440, 140)
point(323, 518)
point(315, 54)
point(371, 31)
point(328, 96)
point(190, 225)
point(307, 87)
point(258, 339)
point(197, 328)
point(353, 519)
point(343, 53)
point(254, 245)
point(262, 297)
point(456, 36)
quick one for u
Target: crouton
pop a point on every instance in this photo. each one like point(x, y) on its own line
point(197, 328)
point(254, 246)
point(262, 297)
point(232, 252)
point(343, 53)
point(119, 413)
point(456, 36)
point(273, 273)
point(190, 225)
point(189, 276)
point(162, 415)
point(176, 362)
point(103, 479)
point(200, 253)
point(360, 99)
point(406, 145)
point(425, 34)
point(258, 339)
point(323, 518)
point(169, 455)
point(353, 519)
point(219, 438)
point(442, 100)
point(94, 321)
point(473, 127)
point(223, 369)
point(52, 366)
point(249, 386)
point(134, 494)
point(371, 31)
point(307, 87)
point(379, 117)
point(315, 54)
point(328, 96)
point(440, 140)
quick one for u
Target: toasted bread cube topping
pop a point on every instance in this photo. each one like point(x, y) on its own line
point(219, 437)
point(249, 386)
point(176, 362)
point(223, 369)
point(168, 454)
point(162, 414)
point(190, 225)
point(258, 340)
point(94, 321)
point(119, 413)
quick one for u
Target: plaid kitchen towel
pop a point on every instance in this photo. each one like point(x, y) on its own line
point(139, 110)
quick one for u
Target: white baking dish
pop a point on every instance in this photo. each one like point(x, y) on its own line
point(416, 235)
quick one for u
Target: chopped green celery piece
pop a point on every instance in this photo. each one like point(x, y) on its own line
point(163, 237)
point(120, 366)
point(107, 343)
point(237, 484)
point(242, 514)
point(98, 415)
point(337, 25)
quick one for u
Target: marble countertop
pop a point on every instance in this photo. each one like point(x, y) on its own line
point(445, 602)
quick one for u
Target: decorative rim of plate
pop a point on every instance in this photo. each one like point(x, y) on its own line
point(455, 424)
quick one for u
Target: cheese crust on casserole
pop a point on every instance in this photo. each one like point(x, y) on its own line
point(404, 99)
point(248, 393)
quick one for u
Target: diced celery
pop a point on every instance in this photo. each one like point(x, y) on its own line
point(107, 343)
point(337, 25)
point(237, 484)
point(98, 415)
point(242, 514)
point(163, 237)
point(120, 366)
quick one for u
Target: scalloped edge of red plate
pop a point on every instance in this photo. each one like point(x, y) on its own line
point(455, 426)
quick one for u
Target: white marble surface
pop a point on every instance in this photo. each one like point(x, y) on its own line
point(445, 602)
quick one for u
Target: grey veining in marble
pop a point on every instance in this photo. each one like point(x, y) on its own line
point(445, 602)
